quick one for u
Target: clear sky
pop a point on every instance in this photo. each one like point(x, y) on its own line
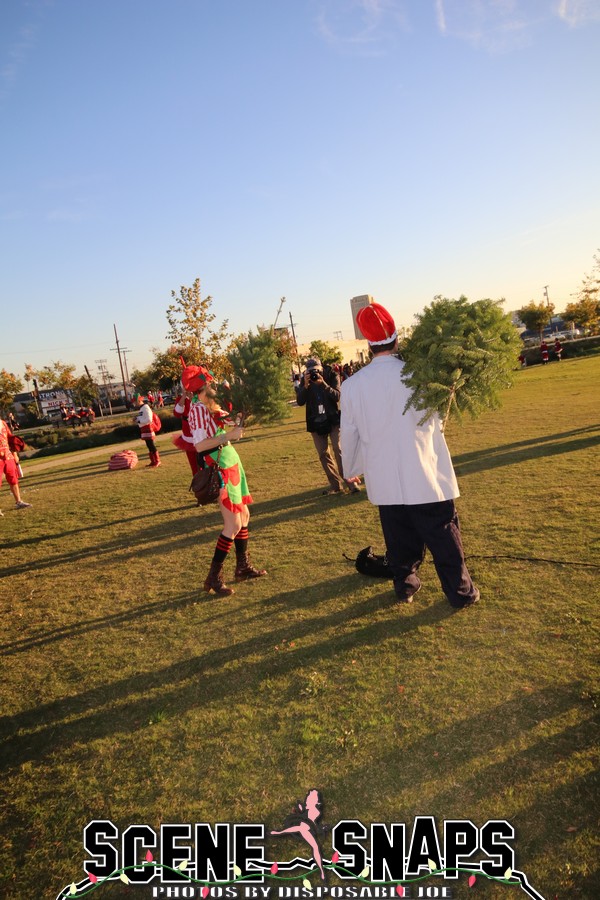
point(312, 149)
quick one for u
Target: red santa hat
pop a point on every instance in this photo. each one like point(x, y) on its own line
point(194, 378)
point(376, 324)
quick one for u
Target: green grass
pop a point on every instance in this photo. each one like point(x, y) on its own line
point(129, 694)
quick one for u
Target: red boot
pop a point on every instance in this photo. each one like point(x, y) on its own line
point(214, 581)
point(244, 569)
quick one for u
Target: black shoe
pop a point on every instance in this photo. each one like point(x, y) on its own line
point(469, 602)
point(407, 598)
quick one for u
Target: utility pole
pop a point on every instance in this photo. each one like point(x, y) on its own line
point(121, 365)
point(338, 335)
point(125, 352)
point(546, 294)
point(281, 302)
point(295, 343)
point(105, 378)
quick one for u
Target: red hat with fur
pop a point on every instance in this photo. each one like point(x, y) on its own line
point(376, 324)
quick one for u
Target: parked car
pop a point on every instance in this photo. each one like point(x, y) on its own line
point(567, 335)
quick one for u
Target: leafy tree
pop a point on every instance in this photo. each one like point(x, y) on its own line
point(29, 373)
point(586, 308)
point(165, 368)
point(10, 386)
point(585, 312)
point(535, 316)
point(57, 375)
point(260, 383)
point(325, 352)
point(85, 391)
point(143, 380)
point(590, 286)
point(192, 331)
point(458, 357)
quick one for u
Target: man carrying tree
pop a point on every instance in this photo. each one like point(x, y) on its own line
point(407, 467)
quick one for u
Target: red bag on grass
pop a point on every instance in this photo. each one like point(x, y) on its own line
point(126, 459)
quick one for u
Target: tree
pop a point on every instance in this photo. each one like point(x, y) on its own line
point(166, 367)
point(29, 373)
point(458, 357)
point(191, 319)
point(586, 308)
point(260, 383)
point(57, 375)
point(585, 312)
point(590, 286)
point(325, 352)
point(10, 386)
point(85, 391)
point(535, 316)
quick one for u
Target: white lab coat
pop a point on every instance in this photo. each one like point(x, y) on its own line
point(403, 462)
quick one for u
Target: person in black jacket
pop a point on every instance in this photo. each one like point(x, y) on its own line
point(319, 391)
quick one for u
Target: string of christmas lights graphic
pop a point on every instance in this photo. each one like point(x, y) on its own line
point(511, 877)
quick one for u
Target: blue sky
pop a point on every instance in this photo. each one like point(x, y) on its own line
point(312, 149)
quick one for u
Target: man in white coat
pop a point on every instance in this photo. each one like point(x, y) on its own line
point(407, 468)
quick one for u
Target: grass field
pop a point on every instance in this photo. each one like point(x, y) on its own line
point(129, 694)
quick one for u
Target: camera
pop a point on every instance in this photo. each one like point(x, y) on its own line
point(314, 375)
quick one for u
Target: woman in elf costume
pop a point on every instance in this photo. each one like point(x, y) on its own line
point(211, 439)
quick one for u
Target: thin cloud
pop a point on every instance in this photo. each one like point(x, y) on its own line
point(20, 48)
point(360, 24)
point(578, 12)
point(440, 15)
point(493, 25)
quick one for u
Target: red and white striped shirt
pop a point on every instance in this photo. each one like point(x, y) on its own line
point(202, 425)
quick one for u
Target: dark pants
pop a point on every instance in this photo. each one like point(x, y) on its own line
point(408, 530)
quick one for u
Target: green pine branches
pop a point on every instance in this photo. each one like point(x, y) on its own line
point(459, 356)
point(261, 385)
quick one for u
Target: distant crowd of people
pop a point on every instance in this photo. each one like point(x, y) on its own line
point(85, 415)
point(557, 350)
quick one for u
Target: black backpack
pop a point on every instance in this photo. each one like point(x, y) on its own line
point(369, 563)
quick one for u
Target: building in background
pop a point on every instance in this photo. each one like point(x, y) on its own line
point(355, 304)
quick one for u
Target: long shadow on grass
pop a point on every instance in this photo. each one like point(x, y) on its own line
point(190, 528)
point(536, 762)
point(486, 459)
point(529, 442)
point(557, 816)
point(62, 535)
point(91, 471)
point(230, 671)
point(546, 823)
point(470, 738)
point(100, 624)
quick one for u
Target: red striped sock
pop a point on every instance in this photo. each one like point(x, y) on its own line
point(222, 549)
point(241, 541)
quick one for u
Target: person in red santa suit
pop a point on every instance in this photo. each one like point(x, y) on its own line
point(213, 442)
point(185, 441)
point(147, 433)
point(8, 465)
